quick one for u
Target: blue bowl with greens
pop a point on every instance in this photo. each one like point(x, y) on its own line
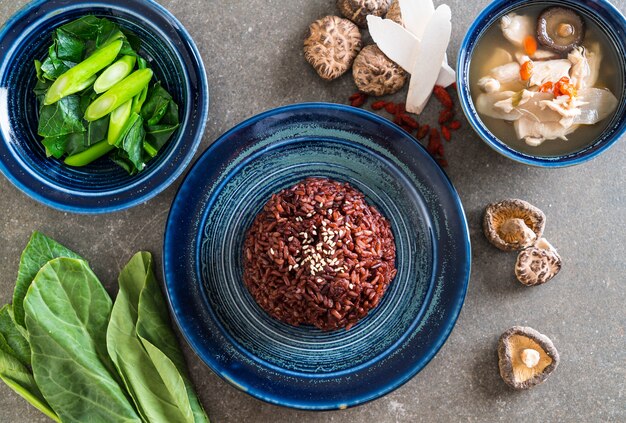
point(110, 183)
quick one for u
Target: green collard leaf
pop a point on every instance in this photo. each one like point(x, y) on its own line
point(84, 28)
point(15, 338)
point(120, 158)
point(39, 72)
point(53, 66)
point(69, 47)
point(156, 386)
point(131, 141)
point(97, 130)
point(76, 143)
point(61, 118)
point(39, 250)
point(156, 104)
point(55, 146)
point(155, 330)
point(67, 313)
point(41, 88)
point(19, 378)
point(159, 135)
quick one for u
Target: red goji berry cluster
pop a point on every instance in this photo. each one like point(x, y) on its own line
point(410, 124)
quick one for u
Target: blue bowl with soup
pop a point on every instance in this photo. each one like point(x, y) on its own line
point(542, 83)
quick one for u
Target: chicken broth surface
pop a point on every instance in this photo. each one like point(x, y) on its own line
point(493, 50)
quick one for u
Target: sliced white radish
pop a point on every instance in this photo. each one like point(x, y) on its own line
point(396, 42)
point(428, 59)
point(416, 14)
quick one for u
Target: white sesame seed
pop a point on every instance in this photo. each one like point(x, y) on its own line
point(290, 239)
point(272, 252)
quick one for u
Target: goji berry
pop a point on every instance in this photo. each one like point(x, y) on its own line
point(377, 105)
point(443, 96)
point(400, 108)
point(445, 116)
point(356, 95)
point(391, 108)
point(359, 101)
point(446, 133)
point(423, 131)
point(530, 45)
point(526, 70)
point(408, 121)
point(454, 125)
point(407, 128)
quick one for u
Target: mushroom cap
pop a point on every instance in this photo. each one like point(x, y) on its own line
point(538, 264)
point(331, 46)
point(513, 225)
point(513, 370)
point(376, 74)
point(560, 29)
point(394, 13)
point(357, 10)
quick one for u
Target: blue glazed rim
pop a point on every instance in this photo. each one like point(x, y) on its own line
point(612, 22)
point(180, 266)
point(144, 186)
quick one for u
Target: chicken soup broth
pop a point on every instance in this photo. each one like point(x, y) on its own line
point(538, 115)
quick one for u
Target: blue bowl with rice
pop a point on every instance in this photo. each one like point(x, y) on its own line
point(302, 366)
point(532, 121)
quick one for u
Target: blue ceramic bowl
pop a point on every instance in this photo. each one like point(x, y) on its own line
point(304, 367)
point(611, 22)
point(102, 186)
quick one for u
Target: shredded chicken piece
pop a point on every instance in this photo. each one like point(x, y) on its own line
point(489, 84)
point(535, 133)
point(516, 27)
point(549, 71)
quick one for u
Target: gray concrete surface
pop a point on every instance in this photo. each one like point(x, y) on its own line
point(252, 51)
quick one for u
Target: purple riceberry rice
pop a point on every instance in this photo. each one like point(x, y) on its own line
point(318, 254)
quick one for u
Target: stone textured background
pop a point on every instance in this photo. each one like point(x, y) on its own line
point(253, 53)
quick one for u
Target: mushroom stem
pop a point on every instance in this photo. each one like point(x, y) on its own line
point(530, 357)
point(517, 230)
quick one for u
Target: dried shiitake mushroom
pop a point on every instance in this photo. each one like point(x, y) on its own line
point(513, 225)
point(375, 74)
point(357, 10)
point(331, 46)
point(526, 357)
point(538, 264)
point(394, 13)
point(560, 29)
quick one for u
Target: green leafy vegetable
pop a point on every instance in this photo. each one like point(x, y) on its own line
point(156, 386)
point(39, 250)
point(155, 330)
point(82, 359)
point(93, 85)
point(67, 312)
point(97, 130)
point(15, 339)
point(61, 118)
point(17, 377)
